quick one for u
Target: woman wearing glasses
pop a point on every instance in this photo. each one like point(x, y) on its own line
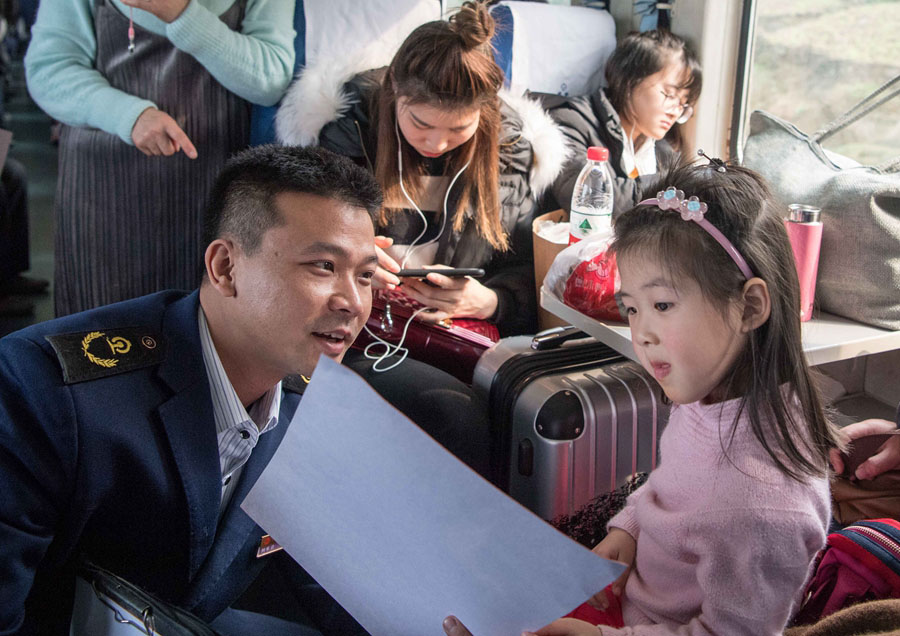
point(653, 80)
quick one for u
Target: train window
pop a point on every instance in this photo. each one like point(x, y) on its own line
point(812, 60)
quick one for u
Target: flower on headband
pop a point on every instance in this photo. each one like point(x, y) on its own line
point(671, 199)
point(693, 209)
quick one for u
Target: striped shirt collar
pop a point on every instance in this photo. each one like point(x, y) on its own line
point(227, 408)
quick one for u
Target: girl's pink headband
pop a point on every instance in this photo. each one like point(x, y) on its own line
point(693, 210)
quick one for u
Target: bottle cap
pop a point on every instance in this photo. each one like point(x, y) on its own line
point(800, 213)
point(597, 153)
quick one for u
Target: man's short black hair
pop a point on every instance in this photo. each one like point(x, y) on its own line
point(242, 201)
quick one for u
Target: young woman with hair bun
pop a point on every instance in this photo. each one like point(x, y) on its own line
point(442, 139)
point(461, 165)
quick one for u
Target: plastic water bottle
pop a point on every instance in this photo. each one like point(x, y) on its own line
point(592, 198)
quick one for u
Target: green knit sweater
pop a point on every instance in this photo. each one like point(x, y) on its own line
point(256, 63)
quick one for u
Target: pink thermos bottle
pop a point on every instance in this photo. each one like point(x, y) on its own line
point(805, 233)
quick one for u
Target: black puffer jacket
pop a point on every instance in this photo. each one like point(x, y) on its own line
point(523, 174)
point(592, 121)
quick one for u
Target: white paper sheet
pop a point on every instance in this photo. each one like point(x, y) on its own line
point(402, 533)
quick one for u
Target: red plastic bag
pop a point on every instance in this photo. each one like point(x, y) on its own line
point(585, 277)
point(591, 288)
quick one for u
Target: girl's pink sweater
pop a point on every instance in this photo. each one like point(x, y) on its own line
point(723, 547)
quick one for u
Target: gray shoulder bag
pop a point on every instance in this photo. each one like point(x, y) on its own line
point(859, 264)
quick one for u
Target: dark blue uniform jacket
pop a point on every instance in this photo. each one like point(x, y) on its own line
point(122, 468)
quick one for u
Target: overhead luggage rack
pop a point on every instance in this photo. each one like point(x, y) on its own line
point(826, 338)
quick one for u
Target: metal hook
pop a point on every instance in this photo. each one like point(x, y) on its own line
point(148, 626)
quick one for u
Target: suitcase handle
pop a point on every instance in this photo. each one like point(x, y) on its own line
point(554, 338)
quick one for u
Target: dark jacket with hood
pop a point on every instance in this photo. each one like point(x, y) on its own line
point(335, 114)
point(592, 121)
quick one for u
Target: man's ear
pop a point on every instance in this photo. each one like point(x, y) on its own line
point(757, 304)
point(220, 260)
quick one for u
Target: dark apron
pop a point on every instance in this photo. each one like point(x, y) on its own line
point(128, 224)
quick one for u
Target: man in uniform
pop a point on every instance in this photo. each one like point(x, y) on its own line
point(129, 434)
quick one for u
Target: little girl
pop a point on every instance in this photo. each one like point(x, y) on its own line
point(653, 81)
point(721, 537)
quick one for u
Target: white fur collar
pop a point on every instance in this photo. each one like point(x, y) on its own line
point(317, 98)
point(547, 141)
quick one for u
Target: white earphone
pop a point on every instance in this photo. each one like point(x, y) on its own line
point(391, 349)
point(412, 246)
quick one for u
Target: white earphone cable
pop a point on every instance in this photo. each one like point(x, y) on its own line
point(391, 349)
point(629, 147)
point(413, 245)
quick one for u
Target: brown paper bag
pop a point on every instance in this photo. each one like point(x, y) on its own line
point(544, 253)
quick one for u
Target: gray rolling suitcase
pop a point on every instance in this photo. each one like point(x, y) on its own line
point(572, 419)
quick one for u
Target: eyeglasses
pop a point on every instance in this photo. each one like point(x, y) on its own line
point(672, 105)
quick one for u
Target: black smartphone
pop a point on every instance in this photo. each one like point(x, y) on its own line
point(455, 272)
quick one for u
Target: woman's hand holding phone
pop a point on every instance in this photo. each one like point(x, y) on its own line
point(385, 277)
point(451, 297)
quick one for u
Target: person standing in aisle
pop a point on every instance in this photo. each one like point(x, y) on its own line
point(154, 97)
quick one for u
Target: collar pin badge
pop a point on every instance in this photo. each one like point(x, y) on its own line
point(267, 545)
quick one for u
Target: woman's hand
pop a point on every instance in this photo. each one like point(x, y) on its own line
point(561, 627)
point(462, 297)
point(887, 457)
point(156, 133)
point(165, 10)
point(384, 273)
point(617, 546)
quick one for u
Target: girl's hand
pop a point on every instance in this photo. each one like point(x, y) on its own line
point(384, 273)
point(165, 10)
point(617, 546)
point(887, 457)
point(461, 297)
point(561, 627)
point(566, 627)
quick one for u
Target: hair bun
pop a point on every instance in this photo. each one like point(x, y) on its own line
point(474, 24)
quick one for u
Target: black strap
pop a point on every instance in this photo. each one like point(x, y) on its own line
point(860, 110)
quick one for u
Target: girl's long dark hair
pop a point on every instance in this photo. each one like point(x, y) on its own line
point(771, 373)
point(640, 55)
point(447, 65)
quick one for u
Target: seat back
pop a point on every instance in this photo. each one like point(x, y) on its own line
point(551, 48)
